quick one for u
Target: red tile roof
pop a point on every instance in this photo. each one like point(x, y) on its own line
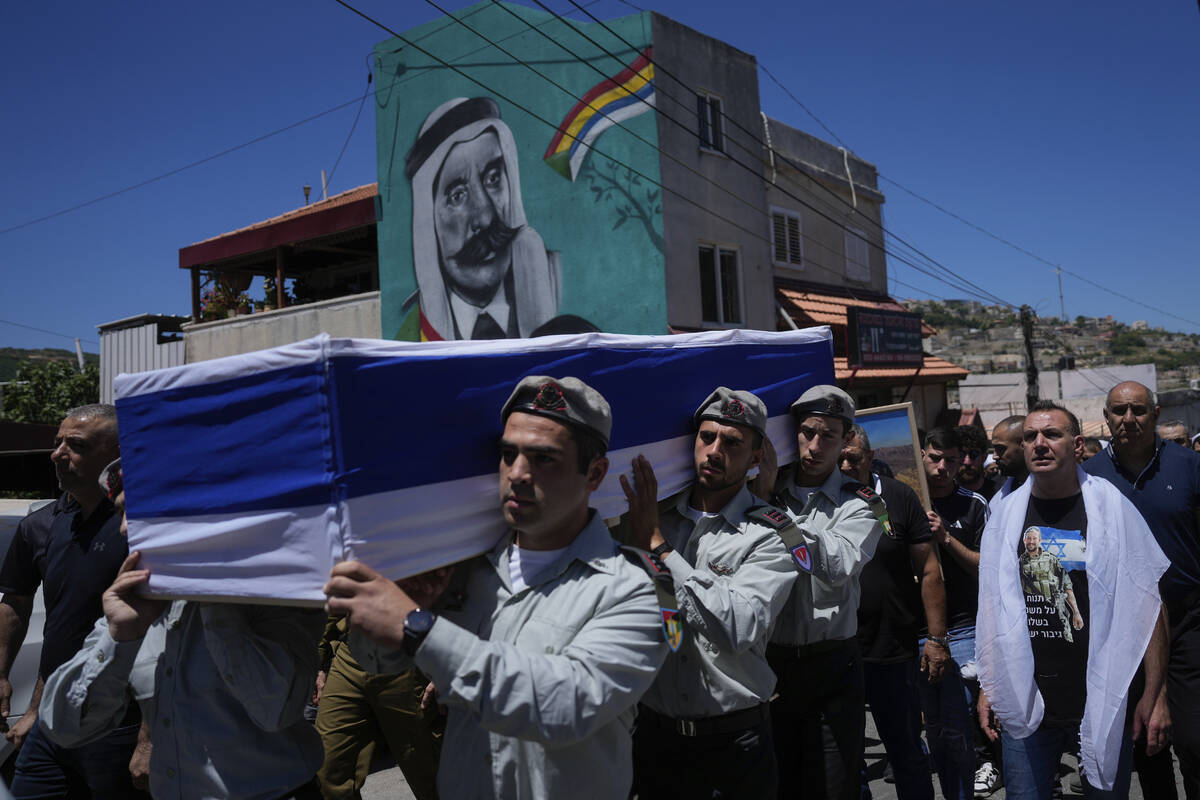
point(969, 416)
point(346, 197)
point(827, 309)
point(350, 210)
point(934, 370)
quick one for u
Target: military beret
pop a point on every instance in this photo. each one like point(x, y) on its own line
point(733, 408)
point(826, 401)
point(568, 400)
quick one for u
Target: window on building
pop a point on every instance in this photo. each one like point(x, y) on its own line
point(786, 246)
point(858, 256)
point(712, 126)
point(720, 285)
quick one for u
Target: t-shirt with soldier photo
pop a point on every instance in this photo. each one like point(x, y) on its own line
point(1053, 558)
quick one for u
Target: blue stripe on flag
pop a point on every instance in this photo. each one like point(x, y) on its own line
point(250, 443)
point(263, 441)
point(409, 421)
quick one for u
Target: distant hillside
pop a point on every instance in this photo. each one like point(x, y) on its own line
point(988, 339)
point(11, 358)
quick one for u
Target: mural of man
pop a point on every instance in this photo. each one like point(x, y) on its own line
point(482, 272)
point(1043, 574)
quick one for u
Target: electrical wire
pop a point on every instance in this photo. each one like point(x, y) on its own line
point(754, 206)
point(357, 114)
point(1034, 255)
point(658, 68)
point(950, 213)
point(178, 170)
point(43, 330)
point(456, 68)
point(61, 212)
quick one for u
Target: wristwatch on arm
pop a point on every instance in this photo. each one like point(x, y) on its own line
point(662, 550)
point(416, 627)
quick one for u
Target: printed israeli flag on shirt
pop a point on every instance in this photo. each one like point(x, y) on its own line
point(249, 477)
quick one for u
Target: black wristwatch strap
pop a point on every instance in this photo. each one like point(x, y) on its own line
point(416, 627)
point(941, 641)
point(662, 550)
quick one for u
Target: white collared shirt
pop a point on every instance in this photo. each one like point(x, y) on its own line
point(466, 314)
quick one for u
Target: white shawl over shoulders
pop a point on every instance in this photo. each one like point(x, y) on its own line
point(1124, 564)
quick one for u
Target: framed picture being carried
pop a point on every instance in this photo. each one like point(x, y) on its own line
point(893, 434)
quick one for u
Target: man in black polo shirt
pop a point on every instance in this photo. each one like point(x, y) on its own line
point(889, 621)
point(1163, 482)
point(956, 521)
point(74, 561)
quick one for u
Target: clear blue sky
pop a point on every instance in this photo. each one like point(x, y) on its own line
point(1072, 130)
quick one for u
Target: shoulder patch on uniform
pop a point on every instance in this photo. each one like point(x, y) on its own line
point(660, 576)
point(878, 508)
point(646, 560)
point(770, 516)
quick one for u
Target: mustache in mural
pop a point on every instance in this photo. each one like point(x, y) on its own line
point(483, 246)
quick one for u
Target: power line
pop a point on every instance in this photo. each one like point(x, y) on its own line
point(552, 125)
point(52, 333)
point(783, 157)
point(178, 170)
point(807, 110)
point(661, 112)
point(944, 210)
point(353, 125)
point(1032, 254)
point(396, 81)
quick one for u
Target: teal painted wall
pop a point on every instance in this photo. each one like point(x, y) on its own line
point(605, 225)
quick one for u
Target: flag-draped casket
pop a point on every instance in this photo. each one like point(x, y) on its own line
point(249, 477)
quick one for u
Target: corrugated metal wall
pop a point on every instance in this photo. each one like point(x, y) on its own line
point(134, 350)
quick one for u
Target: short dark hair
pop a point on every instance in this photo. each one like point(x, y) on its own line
point(943, 439)
point(972, 438)
point(1092, 442)
point(589, 446)
point(1073, 427)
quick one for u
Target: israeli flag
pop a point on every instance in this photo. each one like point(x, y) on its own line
point(249, 477)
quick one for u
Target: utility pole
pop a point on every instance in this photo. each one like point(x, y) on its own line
point(1031, 370)
point(1062, 307)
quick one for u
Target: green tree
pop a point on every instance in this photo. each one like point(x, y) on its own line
point(44, 391)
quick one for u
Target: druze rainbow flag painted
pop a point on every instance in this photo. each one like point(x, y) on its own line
point(249, 477)
point(611, 101)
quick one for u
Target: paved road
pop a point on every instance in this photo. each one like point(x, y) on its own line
point(389, 784)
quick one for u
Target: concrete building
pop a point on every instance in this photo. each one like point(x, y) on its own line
point(639, 189)
point(138, 344)
point(319, 272)
point(1083, 391)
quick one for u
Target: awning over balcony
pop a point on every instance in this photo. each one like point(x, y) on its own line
point(329, 247)
point(343, 212)
point(806, 306)
point(934, 370)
